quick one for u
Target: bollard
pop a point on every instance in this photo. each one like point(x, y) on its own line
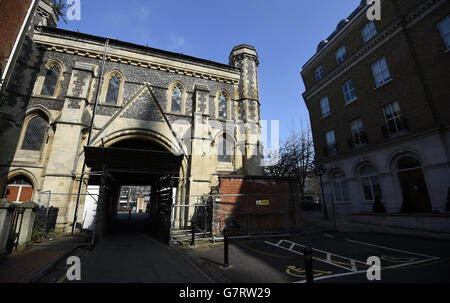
point(225, 247)
point(307, 253)
point(193, 234)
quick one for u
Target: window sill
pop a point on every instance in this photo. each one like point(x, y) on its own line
point(350, 102)
point(109, 105)
point(327, 115)
point(383, 84)
point(48, 97)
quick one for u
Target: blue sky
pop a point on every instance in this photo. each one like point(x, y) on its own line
point(284, 32)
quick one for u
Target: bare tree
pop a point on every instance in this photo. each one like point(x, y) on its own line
point(294, 158)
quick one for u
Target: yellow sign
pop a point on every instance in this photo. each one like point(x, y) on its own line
point(300, 273)
point(262, 202)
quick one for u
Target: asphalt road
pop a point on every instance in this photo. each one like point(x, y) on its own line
point(130, 255)
point(337, 258)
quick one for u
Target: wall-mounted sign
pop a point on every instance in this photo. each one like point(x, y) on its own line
point(262, 202)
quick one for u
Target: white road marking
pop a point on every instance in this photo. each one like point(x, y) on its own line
point(328, 261)
point(327, 235)
point(388, 248)
point(354, 272)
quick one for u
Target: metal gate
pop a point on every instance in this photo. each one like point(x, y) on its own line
point(242, 215)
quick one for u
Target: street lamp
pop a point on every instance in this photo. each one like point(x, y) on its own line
point(320, 170)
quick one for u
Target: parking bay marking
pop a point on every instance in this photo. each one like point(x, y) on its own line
point(351, 266)
point(353, 270)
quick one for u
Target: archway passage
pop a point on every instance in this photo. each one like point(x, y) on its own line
point(133, 162)
point(414, 187)
point(19, 189)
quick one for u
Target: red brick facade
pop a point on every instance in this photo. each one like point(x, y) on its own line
point(244, 210)
point(12, 15)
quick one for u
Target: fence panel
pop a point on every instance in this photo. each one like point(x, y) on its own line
point(242, 215)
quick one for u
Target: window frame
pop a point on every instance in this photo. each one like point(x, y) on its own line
point(341, 184)
point(395, 116)
point(319, 73)
point(28, 119)
point(370, 179)
point(381, 72)
point(370, 34)
point(105, 87)
point(345, 93)
point(340, 58)
point(326, 114)
point(183, 91)
point(224, 93)
point(446, 43)
point(53, 63)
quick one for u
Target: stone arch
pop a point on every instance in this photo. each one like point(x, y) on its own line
point(412, 182)
point(48, 66)
point(17, 173)
point(35, 111)
point(394, 157)
point(150, 135)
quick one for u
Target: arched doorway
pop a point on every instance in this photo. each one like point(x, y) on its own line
point(19, 189)
point(414, 187)
point(133, 161)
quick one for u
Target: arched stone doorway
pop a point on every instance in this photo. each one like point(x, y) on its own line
point(19, 189)
point(134, 160)
point(413, 186)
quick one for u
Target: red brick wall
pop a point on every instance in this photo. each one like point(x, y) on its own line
point(12, 15)
point(243, 216)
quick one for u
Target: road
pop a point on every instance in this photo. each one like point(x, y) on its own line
point(130, 255)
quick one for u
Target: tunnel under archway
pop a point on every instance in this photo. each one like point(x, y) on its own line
point(133, 162)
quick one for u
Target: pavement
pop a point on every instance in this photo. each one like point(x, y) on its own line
point(29, 265)
point(129, 254)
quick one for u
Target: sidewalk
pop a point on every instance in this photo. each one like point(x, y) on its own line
point(27, 266)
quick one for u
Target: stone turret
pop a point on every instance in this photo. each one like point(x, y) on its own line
point(245, 58)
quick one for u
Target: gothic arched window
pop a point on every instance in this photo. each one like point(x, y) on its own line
point(223, 107)
point(51, 81)
point(176, 99)
point(112, 94)
point(34, 134)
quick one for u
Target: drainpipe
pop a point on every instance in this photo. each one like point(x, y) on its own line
point(80, 187)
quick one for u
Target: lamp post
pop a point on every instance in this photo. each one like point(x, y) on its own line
point(320, 170)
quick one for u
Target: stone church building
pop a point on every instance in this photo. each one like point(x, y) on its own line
point(145, 114)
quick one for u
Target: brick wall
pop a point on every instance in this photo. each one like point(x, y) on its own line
point(241, 214)
point(12, 15)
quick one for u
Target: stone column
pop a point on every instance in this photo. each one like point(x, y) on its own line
point(63, 160)
point(26, 223)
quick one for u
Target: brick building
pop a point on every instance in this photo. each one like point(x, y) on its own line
point(15, 16)
point(378, 98)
